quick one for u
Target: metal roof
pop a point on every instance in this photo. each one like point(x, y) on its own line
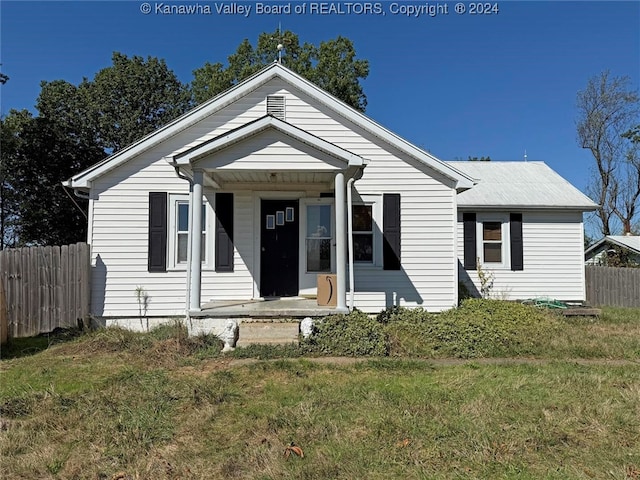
point(632, 242)
point(519, 184)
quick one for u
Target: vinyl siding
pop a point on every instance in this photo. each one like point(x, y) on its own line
point(553, 254)
point(118, 230)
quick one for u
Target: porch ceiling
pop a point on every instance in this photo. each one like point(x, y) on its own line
point(222, 178)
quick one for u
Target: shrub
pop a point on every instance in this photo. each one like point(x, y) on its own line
point(478, 328)
point(355, 334)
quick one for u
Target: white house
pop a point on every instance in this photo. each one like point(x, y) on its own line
point(611, 245)
point(291, 183)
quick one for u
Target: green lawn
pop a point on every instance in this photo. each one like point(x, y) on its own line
point(117, 405)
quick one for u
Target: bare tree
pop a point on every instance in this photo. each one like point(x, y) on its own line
point(607, 111)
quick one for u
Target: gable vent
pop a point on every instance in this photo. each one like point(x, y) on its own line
point(275, 106)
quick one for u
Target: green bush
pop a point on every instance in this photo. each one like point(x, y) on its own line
point(355, 334)
point(478, 328)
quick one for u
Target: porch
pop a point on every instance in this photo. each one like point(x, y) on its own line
point(268, 308)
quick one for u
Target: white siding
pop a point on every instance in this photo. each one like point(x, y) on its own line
point(120, 215)
point(553, 255)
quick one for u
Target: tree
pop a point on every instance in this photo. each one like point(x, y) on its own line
point(332, 66)
point(132, 98)
point(10, 143)
point(77, 126)
point(480, 159)
point(607, 113)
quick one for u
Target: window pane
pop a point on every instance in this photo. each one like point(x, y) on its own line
point(183, 217)
point(362, 218)
point(363, 247)
point(492, 231)
point(319, 221)
point(318, 255)
point(493, 252)
point(203, 248)
point(182, 247)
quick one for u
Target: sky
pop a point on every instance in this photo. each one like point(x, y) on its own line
point(457, 84)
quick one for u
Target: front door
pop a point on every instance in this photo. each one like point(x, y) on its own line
point(279, 248)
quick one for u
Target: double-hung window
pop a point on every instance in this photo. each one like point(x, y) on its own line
point(179, 232)
point(363, 233)
point(493, 241)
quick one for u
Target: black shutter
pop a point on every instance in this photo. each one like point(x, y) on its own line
point(469, 235)
point(224, 232)
point(391, 231)
point(157, 253)
point(515, 222)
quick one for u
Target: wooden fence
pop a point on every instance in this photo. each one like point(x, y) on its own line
point(44, 288)
point(613, 286)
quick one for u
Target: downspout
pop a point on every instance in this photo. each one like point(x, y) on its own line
point(188, 272)
point(350, 242)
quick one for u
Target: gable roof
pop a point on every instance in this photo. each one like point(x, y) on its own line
point(520, 185)
point(629, 242)
point(262, 124)
point(82, 179)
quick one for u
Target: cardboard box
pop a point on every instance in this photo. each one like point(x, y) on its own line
point(327, 290)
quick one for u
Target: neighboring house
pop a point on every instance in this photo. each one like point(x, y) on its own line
point(613, 246)
point(275, 165)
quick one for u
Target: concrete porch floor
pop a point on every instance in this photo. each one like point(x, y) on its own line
point(272, 308)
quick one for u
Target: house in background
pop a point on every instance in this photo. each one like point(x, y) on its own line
point(614, 249)
point(256, 193)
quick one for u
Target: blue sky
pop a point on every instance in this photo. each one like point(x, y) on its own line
point(458, 85)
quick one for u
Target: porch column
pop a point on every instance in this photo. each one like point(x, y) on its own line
point(341, 243)
point(195, 236)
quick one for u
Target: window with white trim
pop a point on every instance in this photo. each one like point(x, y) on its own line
point(178, 244)
point(319, 236)
point(493, 240)
point(363, 233)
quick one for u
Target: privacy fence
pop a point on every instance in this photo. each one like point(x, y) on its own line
point(613, 286)
point(43, 288)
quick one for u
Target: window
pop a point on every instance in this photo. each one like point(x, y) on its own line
point(178, 235)
point(363, 244)
point(182, 232)
point(318, 238)
point(492, 242)
point(492, 236)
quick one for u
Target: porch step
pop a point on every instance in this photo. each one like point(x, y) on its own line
point(255, 332)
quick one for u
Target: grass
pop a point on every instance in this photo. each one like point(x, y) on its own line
point(117, 404)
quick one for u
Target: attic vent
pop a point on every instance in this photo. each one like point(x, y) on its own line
point(275, 106)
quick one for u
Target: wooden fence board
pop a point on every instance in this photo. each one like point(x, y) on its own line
point(45, 288)
point(613, 286)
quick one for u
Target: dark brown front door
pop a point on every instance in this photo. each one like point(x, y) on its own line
point(279, 248)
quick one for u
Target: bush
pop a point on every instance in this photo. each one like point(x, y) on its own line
point(478, 328)
point(355, 334)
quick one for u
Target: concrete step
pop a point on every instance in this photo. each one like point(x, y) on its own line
point(255, 332)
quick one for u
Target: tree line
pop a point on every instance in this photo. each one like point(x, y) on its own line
point(78, 125)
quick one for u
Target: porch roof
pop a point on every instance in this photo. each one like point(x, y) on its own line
point(326, 151)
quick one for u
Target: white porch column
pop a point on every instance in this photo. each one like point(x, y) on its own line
point(195, 237)
point(341, 243)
